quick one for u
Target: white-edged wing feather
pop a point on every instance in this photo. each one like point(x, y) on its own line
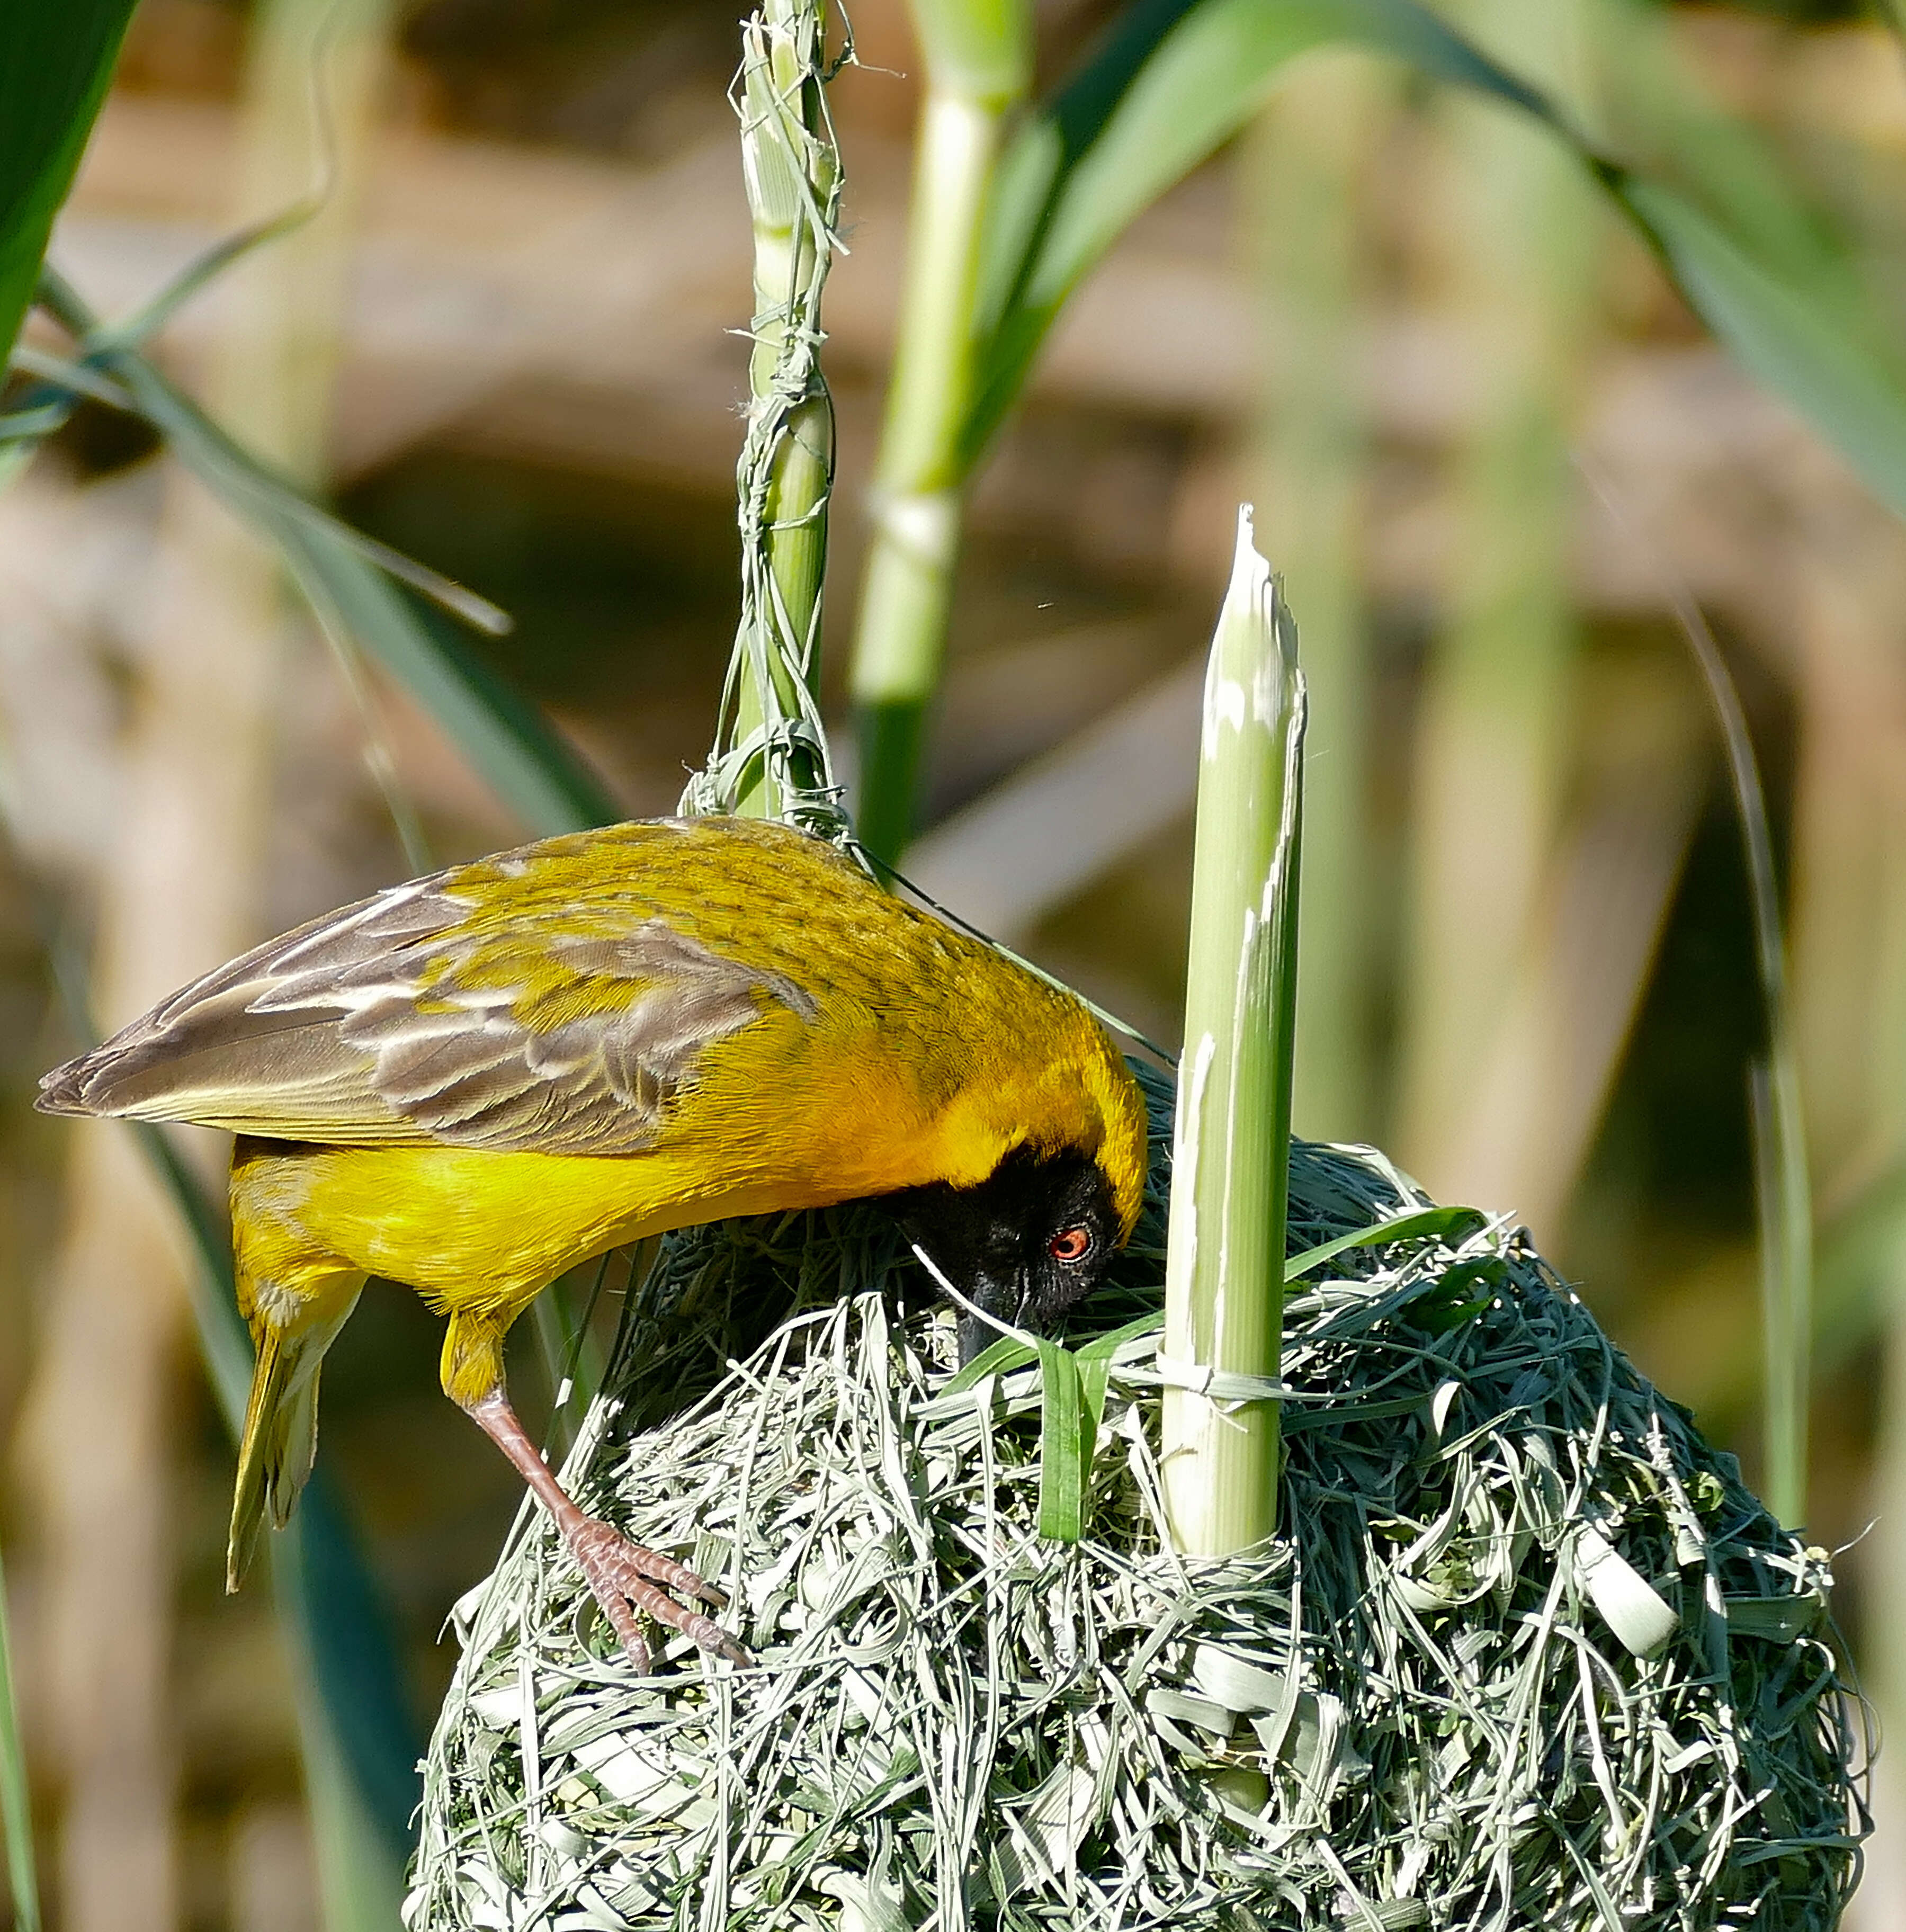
point(356, 1030)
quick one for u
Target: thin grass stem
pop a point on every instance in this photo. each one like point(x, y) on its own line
point(1783, 1194)
point(16, 1800)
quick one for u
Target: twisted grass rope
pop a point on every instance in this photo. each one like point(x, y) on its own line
point(1428, 1705)
point(768, 734)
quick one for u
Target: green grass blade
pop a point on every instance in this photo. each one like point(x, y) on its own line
point(1793, 333)
point(361, 1782)
point(344, 579)
point(204, 269)
point(1063, 1445)
point(227, 468)
point(1072, 1387)
point(506, 739)
point(1001, 1358)
point(1176, 78)
point(360, 1872)
point(1449, 1225)
point(1169, 84)
point(56, 57)
point(46, 409)
point(69, 380)
point(15, 1805)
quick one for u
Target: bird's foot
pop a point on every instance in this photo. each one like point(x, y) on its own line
point(626, 1580)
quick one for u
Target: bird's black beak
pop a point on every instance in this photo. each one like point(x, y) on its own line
point(1005, 1301)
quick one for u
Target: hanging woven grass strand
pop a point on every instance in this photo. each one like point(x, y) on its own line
point(769, 758)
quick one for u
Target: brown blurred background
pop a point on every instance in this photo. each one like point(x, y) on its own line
point(1489, 446)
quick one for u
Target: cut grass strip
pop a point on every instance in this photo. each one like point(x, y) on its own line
point(15, 1794)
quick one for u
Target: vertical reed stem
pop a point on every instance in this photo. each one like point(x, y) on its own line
point(770, 759)
point(978, 56)
point(1225, 1257)
point(15, 1805)
point(1492, 730)
point(1303, 170)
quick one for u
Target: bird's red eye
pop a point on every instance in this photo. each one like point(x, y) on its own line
point(1070, 1244)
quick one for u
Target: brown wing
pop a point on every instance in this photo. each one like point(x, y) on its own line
point(432, 1013)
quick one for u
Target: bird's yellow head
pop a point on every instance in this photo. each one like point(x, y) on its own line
point(1034, 1231)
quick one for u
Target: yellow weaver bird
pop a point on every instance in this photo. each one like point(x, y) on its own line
point(472, 1082)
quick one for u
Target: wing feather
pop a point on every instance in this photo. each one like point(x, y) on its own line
point(524, 1003)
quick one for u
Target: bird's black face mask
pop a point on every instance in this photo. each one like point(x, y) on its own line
point(1024, 1245)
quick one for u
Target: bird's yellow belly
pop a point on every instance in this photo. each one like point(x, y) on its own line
point(470, 1229)
point(478, 1230)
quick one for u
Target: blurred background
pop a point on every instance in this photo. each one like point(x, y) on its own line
point(1491, 451)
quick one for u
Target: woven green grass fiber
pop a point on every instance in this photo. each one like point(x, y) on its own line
point(1525, 1653)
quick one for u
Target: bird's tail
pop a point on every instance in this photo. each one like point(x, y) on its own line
point(280, 1442)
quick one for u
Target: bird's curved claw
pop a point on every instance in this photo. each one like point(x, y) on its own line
point(627, 1580)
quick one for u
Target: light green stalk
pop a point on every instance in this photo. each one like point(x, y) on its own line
point(769, 758)
point(1224, 1268)
point(15, 1807)
point(978, 57)
point(1494, 728)
point(1303, 170)
point(315, 71)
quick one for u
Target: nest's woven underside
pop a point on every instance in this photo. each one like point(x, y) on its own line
point(1525, 1653)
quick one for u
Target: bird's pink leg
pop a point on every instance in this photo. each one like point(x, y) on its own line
point(624, 1576)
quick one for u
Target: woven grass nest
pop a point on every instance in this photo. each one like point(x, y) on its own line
point(1524, 1653)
